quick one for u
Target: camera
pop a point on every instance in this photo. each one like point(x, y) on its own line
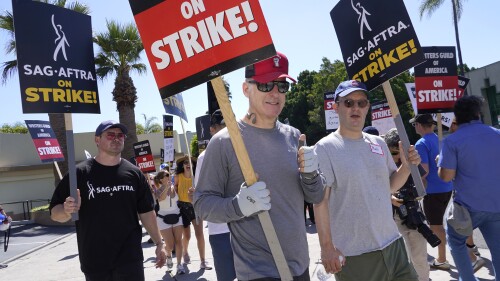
point(412, 216)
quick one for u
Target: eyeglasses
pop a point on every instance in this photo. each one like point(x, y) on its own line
point(185, 162)
point(394, 153)
point(350, 103)
point(112, 136)
point(283, 86)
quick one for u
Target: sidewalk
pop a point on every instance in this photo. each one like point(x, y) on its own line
point(59, 261)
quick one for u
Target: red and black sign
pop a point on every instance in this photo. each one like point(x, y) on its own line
point(377, 39)
point(55, 58)
point(462, 85)
point(143, 157)
point(45, 141)
point(191, 42)
point(436, 80)
point(331, 116)
point(382, 117)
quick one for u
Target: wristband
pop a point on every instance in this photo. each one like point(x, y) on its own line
point(310, 176)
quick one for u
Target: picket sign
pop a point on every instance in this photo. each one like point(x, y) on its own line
point(415, 174)
point(440, 131)
point(188, 151)
point(71, 160)
point(58, 170)
point(249, 175)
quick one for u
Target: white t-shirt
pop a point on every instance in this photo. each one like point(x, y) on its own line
point(213, 228)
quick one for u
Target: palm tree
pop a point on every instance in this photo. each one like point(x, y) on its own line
point(120, 49)
point(150, 126)
point(9, 68)
point(430, 6)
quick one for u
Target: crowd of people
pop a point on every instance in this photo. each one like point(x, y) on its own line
point(353, 177)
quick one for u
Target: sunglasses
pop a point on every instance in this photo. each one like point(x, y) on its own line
point(112, 136)
point(283, 86)
point(350, 103)
point(394, 153)
point(185, 162)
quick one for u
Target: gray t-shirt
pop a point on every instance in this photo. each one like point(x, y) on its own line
point(273, 153)
point(358, 171)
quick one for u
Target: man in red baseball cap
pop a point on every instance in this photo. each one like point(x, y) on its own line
point(284, 170)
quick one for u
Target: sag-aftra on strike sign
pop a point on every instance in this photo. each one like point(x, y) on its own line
point(190, 42)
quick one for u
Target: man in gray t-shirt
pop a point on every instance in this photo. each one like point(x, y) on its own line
point(287, 176)
point(358, 237)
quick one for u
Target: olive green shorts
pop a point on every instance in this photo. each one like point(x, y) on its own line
point(389, 264)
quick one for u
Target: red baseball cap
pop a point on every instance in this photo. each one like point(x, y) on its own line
point(269, 69)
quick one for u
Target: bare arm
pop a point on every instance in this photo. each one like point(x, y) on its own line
point(400, 176)
point(330, 255)
point(176, 184)
point(149, 222)
point(62, 212)
point(446, 174)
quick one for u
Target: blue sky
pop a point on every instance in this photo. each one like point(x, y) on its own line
point(302, 30)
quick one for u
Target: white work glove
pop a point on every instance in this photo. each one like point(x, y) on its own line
point(309, 160)
point(254, 198)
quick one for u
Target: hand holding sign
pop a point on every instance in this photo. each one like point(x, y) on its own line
point(72, 205)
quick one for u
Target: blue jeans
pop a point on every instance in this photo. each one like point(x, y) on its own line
point(489, 225)
point(223, 256)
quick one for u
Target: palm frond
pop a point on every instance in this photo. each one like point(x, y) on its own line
point(9, 68)
point(429, 7)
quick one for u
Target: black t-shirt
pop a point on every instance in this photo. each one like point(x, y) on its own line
point(108, 230)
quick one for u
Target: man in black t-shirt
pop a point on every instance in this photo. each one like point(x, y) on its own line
point(112, 195)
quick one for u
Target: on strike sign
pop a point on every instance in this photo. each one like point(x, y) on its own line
point(144, 157)
point(191, 42)
point(436, 80)
point(45, 141)
point(377, 39)
point(55, 57)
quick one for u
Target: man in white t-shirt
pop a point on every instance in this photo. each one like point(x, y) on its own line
point(218, 233)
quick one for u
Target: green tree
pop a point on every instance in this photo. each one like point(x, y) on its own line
point(120, 49)
point(150, 126)
point(402, 99)
point(9, 68)
point(16, 128)
point(195, 152)
point(304, 107)
point(429, 6)
point(305, 102)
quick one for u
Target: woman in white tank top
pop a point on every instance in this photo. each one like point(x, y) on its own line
point(171, 230)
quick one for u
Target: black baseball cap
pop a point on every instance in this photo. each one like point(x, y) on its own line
point(423, 119)
point(217, 118)
point(108, 125)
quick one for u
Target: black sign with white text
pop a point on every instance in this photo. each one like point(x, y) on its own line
point(377, 39)
point(55, 58)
